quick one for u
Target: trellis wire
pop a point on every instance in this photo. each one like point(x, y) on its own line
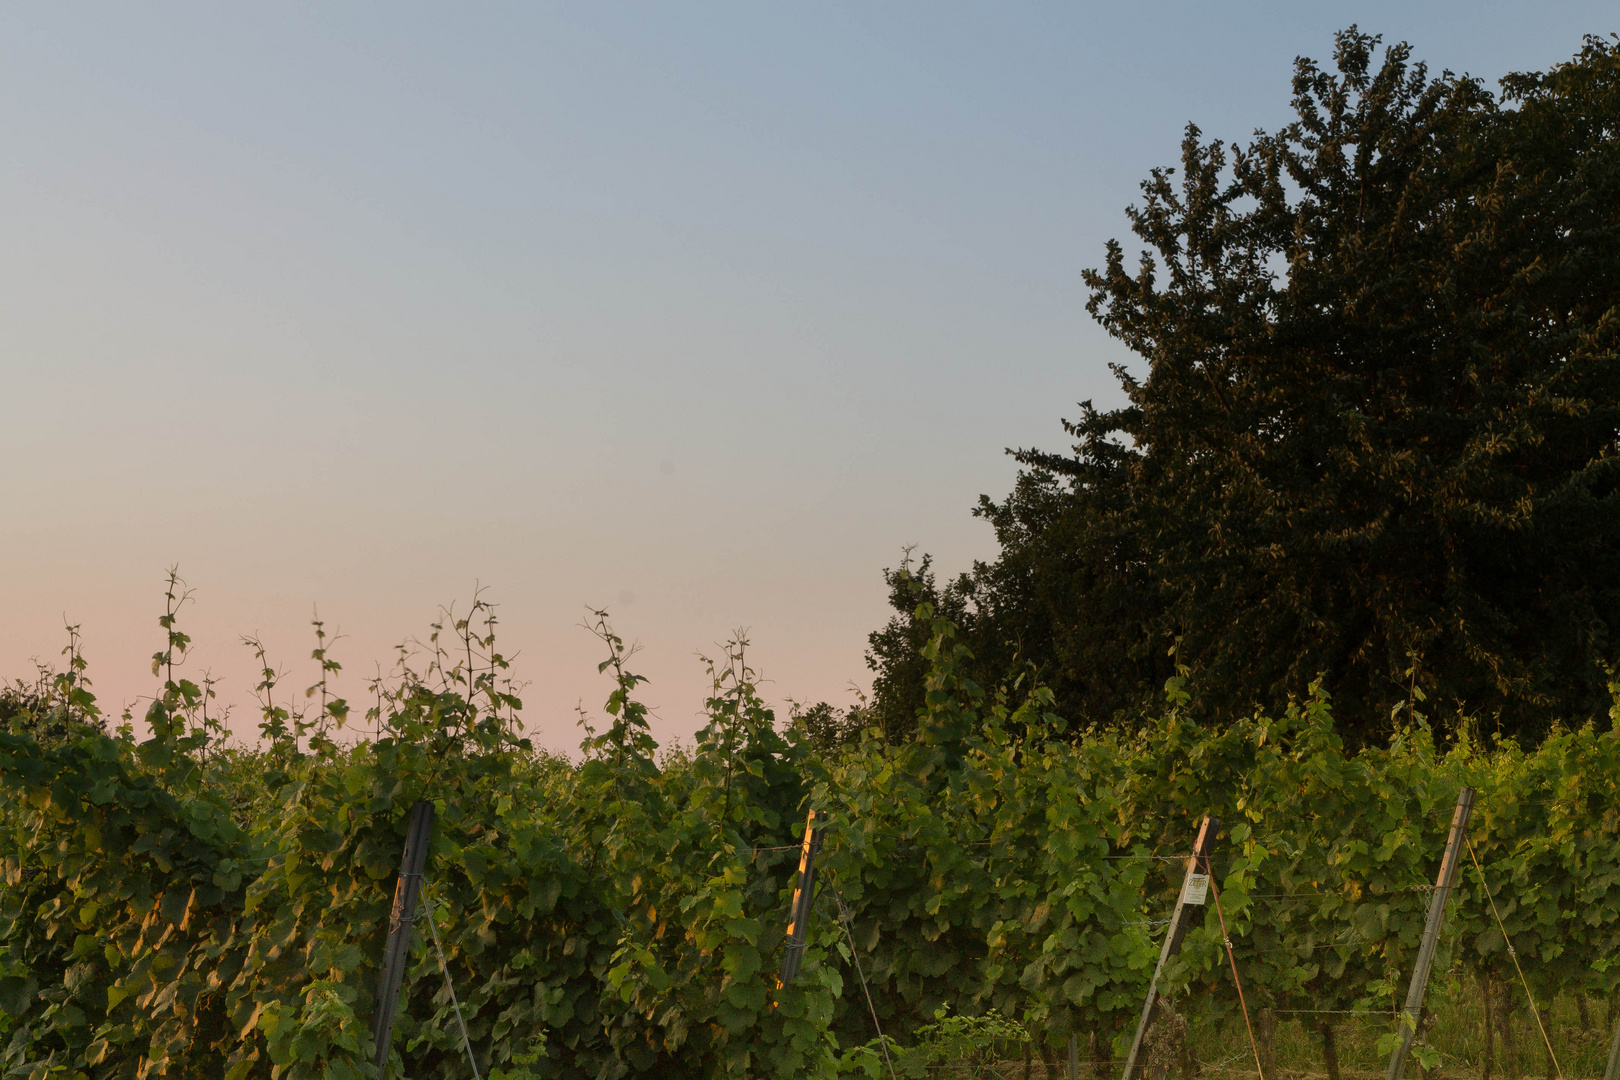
point(1230, 956)
point(450, 984)
point(1514, 954)
point(854, 955)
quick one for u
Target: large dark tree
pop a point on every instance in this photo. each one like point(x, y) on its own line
point(1373, 437)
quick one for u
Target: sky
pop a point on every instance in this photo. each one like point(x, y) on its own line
point(698, 313)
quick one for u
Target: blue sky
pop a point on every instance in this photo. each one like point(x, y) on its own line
point(696, 312)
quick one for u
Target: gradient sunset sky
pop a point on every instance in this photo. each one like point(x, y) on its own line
point(695, 312)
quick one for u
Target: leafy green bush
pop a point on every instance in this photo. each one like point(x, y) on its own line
point(180, 906)
point(975, 1041)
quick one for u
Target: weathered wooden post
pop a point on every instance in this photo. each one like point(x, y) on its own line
point(1412, 1014)
point(1194, 889)
point(400, 922)
point(803, 894)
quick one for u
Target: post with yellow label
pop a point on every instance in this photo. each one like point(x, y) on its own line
point(1194, 891)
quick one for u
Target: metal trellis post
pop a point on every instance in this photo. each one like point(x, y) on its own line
point(1443, 882)
point(1193, 890)
point(396, 953)
point(799, 918)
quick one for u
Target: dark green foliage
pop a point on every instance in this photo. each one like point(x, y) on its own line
point(895, 653)
point(830, 729)
point(1373, 437)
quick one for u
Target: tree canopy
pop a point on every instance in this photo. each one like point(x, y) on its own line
point(1372, 434)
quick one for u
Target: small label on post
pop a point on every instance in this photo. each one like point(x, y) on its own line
point(1196, 889)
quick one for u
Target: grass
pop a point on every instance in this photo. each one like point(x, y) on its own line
point(1457, 1031)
